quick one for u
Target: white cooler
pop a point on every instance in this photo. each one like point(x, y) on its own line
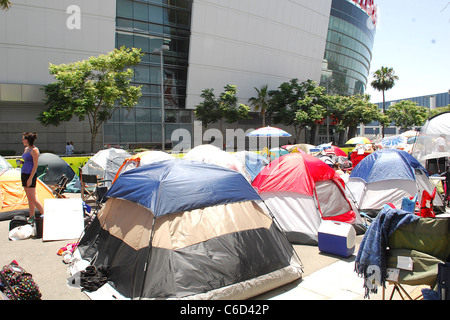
point(337, 238)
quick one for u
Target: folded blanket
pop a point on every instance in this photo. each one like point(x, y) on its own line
point(370, 261)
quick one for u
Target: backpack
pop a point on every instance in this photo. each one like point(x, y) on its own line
point(17, 284)
point(17, 221)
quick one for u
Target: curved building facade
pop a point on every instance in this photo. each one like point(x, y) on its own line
point(349, 44)
point(148, 25)
point(210, 44)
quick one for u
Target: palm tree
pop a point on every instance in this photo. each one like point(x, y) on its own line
point(384, 80)
point(5, 4)
point(261, 102)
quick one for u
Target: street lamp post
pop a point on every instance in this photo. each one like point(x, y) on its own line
point(163, 133)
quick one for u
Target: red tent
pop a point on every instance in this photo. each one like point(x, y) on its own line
point(301, 191)
point(337, 151)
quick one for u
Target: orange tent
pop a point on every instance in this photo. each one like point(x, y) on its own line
point(141, 158)
point(12, 194)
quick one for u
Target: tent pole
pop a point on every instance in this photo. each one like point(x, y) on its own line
point(148, 256)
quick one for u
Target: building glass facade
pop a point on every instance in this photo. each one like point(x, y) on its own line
point(149, 24)
point(348, 51)
point(437, 100)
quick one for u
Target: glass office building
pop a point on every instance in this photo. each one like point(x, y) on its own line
point(149, 25)
point(437, 100)
point(210, 44)
point(348, 51)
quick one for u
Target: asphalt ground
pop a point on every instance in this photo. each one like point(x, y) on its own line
point(51, 274)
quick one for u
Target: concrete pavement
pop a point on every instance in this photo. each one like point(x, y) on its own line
point(326, 277)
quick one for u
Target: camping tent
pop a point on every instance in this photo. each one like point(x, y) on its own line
point(142, 158)
point(387, 176)
point(4, 164)
point(56, 168)
point(301, 191)
point(105, 164)
point(253, 162)
point(433, 143)
point(13, 200)
point(198, 227)
point(331, 149)
point(302, 147)
point(277, 152)
point(209, 153)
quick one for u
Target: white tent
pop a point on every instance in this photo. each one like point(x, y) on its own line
point(213, 155)
point(433, 141)
point(105, 163)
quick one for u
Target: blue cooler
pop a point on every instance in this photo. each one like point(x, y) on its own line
point(337, 238)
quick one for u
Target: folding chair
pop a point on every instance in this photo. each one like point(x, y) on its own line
point(60, 187)
point(367, 219)
point(446, 187)
point(93, 190)
point(426, 204)
point(443, 284)
point(415, 253)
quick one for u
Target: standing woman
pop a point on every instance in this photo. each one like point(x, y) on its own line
point(29, 176)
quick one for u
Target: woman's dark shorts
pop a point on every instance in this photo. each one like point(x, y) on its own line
point(25, 177)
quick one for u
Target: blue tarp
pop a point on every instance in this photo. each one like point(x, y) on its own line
point(254, 163)
point(171, 186)
point(387, 164)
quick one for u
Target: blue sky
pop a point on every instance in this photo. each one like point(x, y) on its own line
point(413, 37)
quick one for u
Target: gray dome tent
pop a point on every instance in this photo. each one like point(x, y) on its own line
point(56, 168)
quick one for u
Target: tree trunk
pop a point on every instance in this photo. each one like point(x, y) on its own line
point(351, 132)
point(297, 133)
point(341, 139)
point(93, 135)
point(314, 134)
point(384, 111)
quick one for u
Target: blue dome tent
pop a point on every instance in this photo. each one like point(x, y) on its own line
point(387, 176)
point(179, 229)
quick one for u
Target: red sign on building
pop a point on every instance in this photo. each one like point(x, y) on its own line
point(370, 7)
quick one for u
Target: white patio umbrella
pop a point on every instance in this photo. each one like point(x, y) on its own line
point(394, 142)
point(268, 132)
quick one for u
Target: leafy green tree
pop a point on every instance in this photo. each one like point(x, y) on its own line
point(298, 105)
point(95, 88)
point(260, 102)
point(230, 107)
point(384, 80)
point(439, 110)
point(313, 108)
point(350, 111)
point(283, 104)
point(5, 4)
point(407, 114)
point(208, 110)
point(225, 107)
point(338, 108)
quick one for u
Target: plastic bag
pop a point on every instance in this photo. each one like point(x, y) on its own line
point(21, 233)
